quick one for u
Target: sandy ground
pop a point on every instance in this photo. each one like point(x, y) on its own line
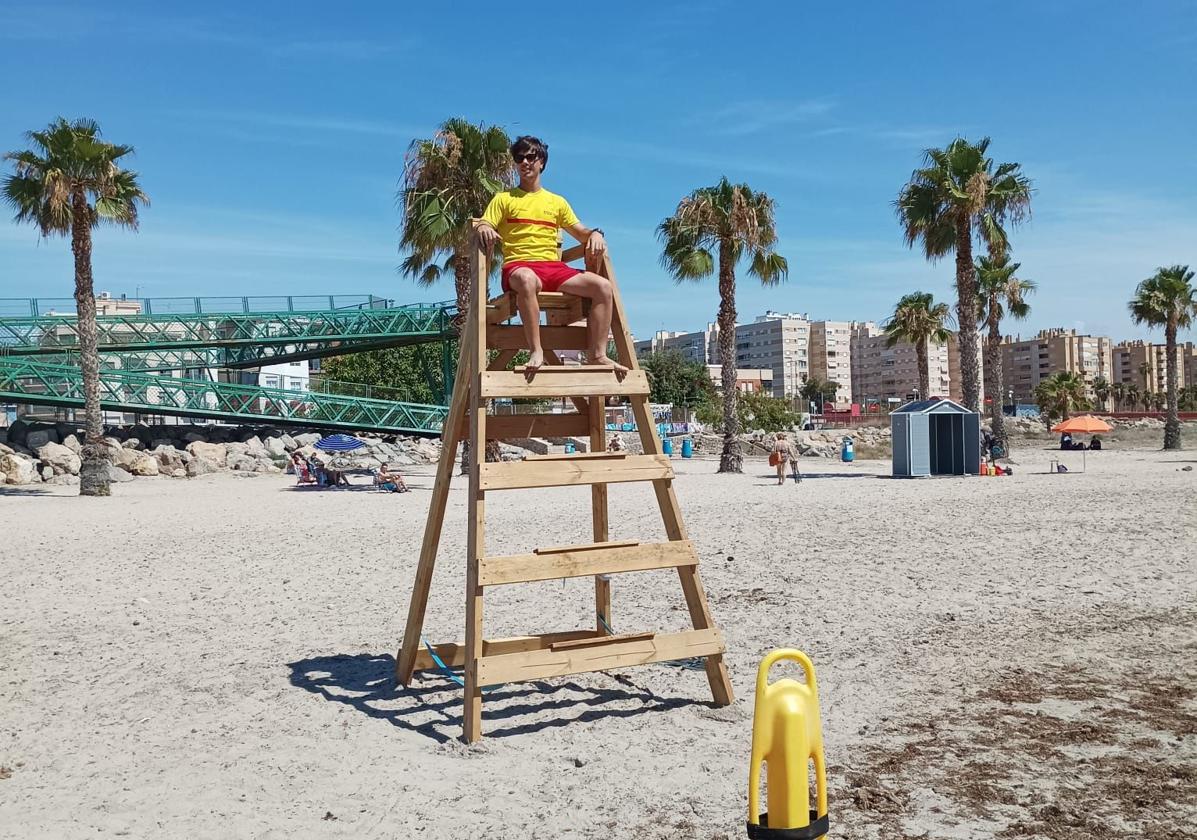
point(998, 657)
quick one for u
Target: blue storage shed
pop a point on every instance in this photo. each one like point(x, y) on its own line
point(936, 437)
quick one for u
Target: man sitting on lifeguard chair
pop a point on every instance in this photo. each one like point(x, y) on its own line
point(526, 220)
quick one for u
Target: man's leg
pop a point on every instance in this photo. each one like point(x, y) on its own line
point(598, 290)
point(525, 285)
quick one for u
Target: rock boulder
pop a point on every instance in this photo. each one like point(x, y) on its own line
point(212, 452)
point(59, 458)
point(17, 469)
point(146, 465)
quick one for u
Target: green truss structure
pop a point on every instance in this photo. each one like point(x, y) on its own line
point(29, 380)
point(248, 339)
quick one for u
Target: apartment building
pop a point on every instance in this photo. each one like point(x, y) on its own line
point(748, 380)
point(831, 355)
point(1188, 362)
point(1143, 364)
point(881, 373)
point(1026, 362)
point(701, 346)
point(777, 341)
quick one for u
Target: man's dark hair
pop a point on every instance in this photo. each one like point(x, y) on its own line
point(527, 143)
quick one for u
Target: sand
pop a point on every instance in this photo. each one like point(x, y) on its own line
point(213, 658)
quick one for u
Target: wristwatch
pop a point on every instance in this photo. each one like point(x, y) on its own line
point(595, 230)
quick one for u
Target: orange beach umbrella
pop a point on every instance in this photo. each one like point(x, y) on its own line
point(1086, 424)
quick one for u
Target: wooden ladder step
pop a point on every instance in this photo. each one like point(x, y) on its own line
point(571, 470)
point(601, 653)
point(453, 653)
point(564, 381)
point(499, 309)
point(554, 338)
point(584, 561)
point(507, 426)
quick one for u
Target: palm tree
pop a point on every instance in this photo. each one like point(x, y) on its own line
point(1102, 390)
point(918, 319)
point(1167, 299)
point(1118, 392)
point(959, 189)
point(1132, 395)
point(448, 180)
point(1061, 394)
point(727, 221)
point(70, 182)
point(999, 292)
point(1145, 372)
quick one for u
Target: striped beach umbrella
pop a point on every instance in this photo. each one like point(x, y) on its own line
point(339, 443)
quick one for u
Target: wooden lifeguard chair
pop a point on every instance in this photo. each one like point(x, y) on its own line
point(494, 661)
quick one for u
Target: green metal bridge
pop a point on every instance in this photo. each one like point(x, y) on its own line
point(39, 356)
point(25, 380)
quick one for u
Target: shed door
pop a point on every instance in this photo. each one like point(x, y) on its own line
point(900, 426)
point(920, 444)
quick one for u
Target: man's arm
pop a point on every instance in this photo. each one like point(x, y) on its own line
point(592, 238)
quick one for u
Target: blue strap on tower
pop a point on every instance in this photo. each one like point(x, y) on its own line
point(445, 669)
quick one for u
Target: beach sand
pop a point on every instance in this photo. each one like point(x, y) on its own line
point(213, 658)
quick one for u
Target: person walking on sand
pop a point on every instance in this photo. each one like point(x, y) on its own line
point(782, 455)
point(525, 220)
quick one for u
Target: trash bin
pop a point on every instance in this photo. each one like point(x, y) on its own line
point(687, 448)
point(667, 446)
point(570, 448)
point(847, 450)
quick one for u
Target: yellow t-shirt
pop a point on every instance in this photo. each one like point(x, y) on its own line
point(528, 223)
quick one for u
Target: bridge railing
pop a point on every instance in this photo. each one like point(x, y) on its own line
point(34, 307)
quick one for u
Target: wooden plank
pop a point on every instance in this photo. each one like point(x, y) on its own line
point(453, 653)
point(582, 404)
point(574, 252)
point(600, 640)
point(539, 664)
point(557, 338)
point(616, 559)
point(578, 456)
point(601, 519)
point(511, 475)
point(552, 369)
point(502, 308)
point(575, 381)
point(507, 426)
point(451, 435)
point(562, 549)
point(471, 715)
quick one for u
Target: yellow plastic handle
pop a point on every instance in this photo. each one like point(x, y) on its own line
point(787, 654)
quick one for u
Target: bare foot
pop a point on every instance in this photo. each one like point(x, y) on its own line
point(535, 362)
point(620, 370)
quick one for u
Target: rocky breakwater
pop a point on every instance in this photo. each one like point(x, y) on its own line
point(51, 453)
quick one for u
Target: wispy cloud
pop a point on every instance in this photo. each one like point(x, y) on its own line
point(43, 22)
point(757, 115)
point(247, 124)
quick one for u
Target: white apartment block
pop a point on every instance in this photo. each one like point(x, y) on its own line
point(702, 346)
point(780, 342)
point(881, 373)
point(831, 355)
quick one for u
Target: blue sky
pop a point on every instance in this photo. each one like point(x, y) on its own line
point(270, 136)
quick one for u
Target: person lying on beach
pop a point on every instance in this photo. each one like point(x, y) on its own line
point(526, 220)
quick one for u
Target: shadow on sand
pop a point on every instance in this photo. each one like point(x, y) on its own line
point(366, 682)
point(23, 490)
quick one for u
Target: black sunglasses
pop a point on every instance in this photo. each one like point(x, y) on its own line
point(530, 156)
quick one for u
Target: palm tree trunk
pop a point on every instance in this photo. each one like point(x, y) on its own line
point(731, 461)
point(93, 472)
point(966, 313)
point(462, 282)
point(993, 379)
point(921, 358)
point(1172, 421)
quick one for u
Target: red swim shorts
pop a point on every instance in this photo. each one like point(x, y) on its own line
point(551, 274)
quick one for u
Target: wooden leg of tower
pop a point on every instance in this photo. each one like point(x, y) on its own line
point(696, 597)
point(471, 715)
point(450, 437)
point(599, 511)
